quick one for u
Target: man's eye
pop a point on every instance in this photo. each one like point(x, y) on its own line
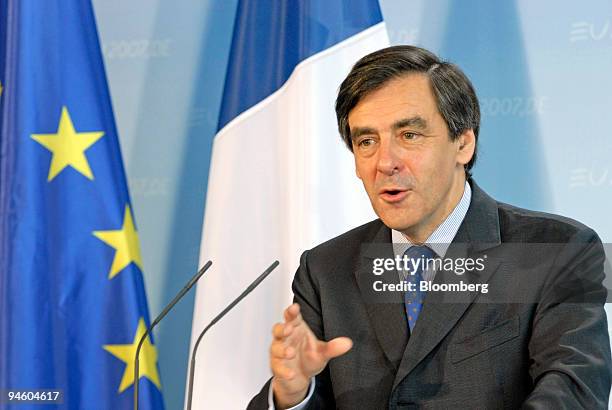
point(366, 142)
point(409, 136)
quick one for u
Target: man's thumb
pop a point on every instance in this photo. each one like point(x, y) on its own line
point(337, 347)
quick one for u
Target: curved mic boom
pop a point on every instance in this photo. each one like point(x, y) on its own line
point(248, 290)
point(158, 319)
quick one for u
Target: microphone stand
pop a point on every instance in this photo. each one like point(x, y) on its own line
point(158, 319)
point(248, 290)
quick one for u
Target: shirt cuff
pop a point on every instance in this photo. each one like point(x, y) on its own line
point(298, 406)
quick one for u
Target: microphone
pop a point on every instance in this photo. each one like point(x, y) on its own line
point(248, 290)
point(158, 319)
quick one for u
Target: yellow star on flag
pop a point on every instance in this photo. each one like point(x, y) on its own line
point(147, 358)
point(125, 242)
point(68, 147)
point(1, 88)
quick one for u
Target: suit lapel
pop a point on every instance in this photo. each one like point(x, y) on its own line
point(385, 309)
point(478, 232)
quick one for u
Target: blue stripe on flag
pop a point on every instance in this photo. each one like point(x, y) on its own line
point(270, 40)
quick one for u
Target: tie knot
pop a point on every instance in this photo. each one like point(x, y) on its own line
point(418, 251)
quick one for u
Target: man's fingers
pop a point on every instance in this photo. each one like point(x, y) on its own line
point(292, 313)
point(279, 351)
point(336, 347)
point(281, 330)
point(278, 331)
point(290, 353)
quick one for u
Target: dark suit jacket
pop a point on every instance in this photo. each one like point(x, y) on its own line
point(537, 340)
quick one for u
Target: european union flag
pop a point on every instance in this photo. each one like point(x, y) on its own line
point(72, 300)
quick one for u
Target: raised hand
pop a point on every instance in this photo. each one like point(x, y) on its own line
point(296, 355)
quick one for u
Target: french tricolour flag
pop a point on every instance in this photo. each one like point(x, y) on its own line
point(281, 180)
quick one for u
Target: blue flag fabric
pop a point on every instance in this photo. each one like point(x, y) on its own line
point(271, 39)
point(72, 301)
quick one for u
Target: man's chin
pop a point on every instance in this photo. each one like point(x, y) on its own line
point(398, 224)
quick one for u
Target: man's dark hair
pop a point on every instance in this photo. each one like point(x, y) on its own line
point(454, 93)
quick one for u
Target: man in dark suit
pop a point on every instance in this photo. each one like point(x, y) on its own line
point(521, 325)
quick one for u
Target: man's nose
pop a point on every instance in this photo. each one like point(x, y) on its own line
point(388, 161)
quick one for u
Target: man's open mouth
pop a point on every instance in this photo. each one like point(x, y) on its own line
point(393, 194)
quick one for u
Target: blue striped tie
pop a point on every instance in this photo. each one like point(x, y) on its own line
point(413, 300)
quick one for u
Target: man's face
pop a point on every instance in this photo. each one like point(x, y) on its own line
point(412, 171)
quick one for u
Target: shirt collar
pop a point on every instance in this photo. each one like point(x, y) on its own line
point(443, 235)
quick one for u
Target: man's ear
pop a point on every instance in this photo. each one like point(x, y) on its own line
point(466, 145)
